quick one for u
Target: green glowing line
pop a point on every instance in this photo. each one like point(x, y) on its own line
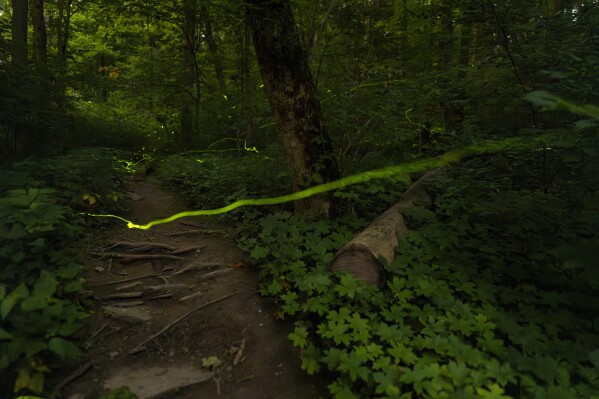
point(105, 216)
point(403, 169)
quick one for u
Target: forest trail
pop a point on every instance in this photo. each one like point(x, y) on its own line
point(192, 327)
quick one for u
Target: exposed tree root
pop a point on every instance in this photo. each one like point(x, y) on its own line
point(197, 266)
point(125, 280)
point(140, 246)
point(142, 345)
point(125, 258)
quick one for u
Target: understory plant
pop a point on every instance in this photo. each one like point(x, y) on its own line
point(41, 292)
point(471, 307)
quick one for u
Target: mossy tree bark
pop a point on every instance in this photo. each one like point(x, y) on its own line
point(292, 95)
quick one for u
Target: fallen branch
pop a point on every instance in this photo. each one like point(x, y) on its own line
point(360, 257)
point(141, 346)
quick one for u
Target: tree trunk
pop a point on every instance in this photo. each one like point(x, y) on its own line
point(292, 95)
point(62, 38)
point(213, 48)
point(186, 128)
point(19, 32)
point(360, 257)
point(247, 87)
point(40, 52)
point(189, 119)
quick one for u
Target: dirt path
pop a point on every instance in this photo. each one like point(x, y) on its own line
point(151, 342)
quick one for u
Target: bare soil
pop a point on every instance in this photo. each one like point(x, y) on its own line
point(186, 326)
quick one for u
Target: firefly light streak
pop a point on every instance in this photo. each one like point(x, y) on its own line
point(396, 170)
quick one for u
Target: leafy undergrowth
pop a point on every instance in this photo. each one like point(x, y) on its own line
point(492, 296)
point(40, 280)
point(494, 292)
point(208, 181)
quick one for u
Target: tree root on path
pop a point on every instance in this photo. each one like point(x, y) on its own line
point(125, 280)
point(199, 231)
point(197, 266)
point(142, 345)
point(125, 258)
point(188, 249)
point(140, 246)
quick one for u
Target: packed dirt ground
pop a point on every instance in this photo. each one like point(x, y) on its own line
point(177, 314)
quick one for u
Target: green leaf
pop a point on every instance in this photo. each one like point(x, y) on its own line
point(310, 359)
point(5, 335)
point(387, 382)
point(353, 366)
point(545, 368)
point(12, 299)
point(259, 252)
point(341, 391)
point(348, 286)
point(494, 391)
point(62, 347)
point(299, 337)
point(401, 353)
point(360, 327)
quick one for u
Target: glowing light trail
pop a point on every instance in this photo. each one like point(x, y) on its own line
point(397, 170)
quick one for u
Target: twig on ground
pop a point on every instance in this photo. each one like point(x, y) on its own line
point(74, 375)
point(217, 380)
point(95, 334)
point(141, 346)
point(239, 354)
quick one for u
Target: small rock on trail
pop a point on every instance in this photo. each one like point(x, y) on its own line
point(220, 341)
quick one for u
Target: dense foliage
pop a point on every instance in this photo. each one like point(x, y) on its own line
point(41, 235)
point(493, 293)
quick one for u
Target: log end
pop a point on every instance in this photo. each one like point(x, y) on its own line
point(360, 263)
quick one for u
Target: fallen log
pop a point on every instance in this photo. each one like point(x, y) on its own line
point(360, 256)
